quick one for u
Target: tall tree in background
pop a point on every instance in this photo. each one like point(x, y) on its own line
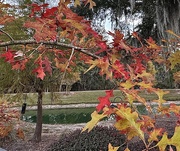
point(146, 17)
point(155, 16)
point(167, 17)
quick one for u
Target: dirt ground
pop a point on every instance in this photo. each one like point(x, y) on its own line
point(49, 137)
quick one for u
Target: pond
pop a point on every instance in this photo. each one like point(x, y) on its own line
point(66, 115)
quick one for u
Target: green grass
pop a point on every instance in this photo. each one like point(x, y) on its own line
point(82, 97)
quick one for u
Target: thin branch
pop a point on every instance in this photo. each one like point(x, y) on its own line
point(7, 34)
point(63, 76)
point(53, 43)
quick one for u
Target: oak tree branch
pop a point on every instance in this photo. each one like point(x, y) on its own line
point(53, 43)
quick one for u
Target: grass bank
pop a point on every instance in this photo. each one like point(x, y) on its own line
point(78, 97)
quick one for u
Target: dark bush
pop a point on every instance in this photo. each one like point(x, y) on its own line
point(96, 140)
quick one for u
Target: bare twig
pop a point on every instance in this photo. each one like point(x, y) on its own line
point(7, 35)
point(67, 65)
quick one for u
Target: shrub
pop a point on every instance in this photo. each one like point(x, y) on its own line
point(9, 120)
point(96, 140)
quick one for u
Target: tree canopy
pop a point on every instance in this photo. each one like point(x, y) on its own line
point(58, 38)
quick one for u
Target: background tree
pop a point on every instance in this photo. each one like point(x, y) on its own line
point(148, 18)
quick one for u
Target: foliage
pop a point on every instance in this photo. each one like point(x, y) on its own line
point(97, 139)
point(61, 39)
point(128, 120)
point(9, 119)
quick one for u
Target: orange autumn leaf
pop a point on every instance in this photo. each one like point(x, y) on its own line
point(20, 133)
point(153, 136)
point(147, 122)
point(39, 70)
point(152, 44)
point(91, 3)
point(176, 77)
point(103, 64)
point(111, 148)
point(174, 108)
point(95, 118)
point(172, 33)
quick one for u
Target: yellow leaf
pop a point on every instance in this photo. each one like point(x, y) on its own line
point(77, 3)
point(160, 94)
point(93, 63)
point(147, 77)
point(127, 149)
point(128, 122)
point(151, 68)
point(174, 59)
point(163, 142)
point(145, 85)
point(111, 148)
point(128, 84)
point(175, 140)
point(95, 118)
point(153, 136)
point(172, 33)
point(130, 98)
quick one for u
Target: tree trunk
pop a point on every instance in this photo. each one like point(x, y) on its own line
point(38, 129)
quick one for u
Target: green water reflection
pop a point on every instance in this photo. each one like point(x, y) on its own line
point(67, 116)
point(61, 116)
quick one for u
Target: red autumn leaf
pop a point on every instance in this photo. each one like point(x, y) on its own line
point(37, 8)
point(45, 29)
point(20, 65)
point(117, 37)
point(8, 55)
point(47, 65)
point(104, 101)
point(39, 70)
point(50, 12)
point(103, 47)
point(138, 66)
point(5, 19)
point(119, 70)
point(135, 34)
point(109, 93)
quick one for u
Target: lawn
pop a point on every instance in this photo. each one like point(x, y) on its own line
point(76, 97)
